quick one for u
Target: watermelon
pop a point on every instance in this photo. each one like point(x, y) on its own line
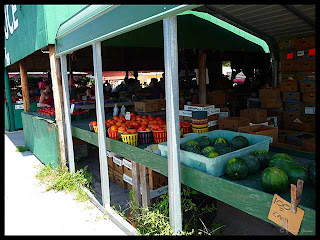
point(203, 141)
point(236, 168)
point(252, 162)
point(312, 173)
point(239, 142)
point(212, 154)
point(282, 156)
point(207, 150)
point(220, 140)
point(274, 180)
point(294, 172)
point(194, 150)
point(222, 149)
point(192, 144)
point(257, 152)
point(263, 159)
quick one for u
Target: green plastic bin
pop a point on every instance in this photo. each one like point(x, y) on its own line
point(215, 166)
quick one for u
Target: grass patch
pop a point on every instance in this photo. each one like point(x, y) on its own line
point(60, 179)
point(21, 149)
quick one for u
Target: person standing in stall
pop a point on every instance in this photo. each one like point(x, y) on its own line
point(156, 90)
point(46, 98)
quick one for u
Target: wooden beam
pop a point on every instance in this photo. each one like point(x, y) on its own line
point(145, 186)
point(202, 77)
point(58, 103)
point(136, 181)
point(24, 84)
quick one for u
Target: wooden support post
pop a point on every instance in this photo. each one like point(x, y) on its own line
point(24, 84)
point(58, 103)
point(136, 182)
point(202, 77)
point(145, 186)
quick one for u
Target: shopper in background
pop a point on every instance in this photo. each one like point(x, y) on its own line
point(156, 90)
point(89, 94)
point(72, 89)
point(46, 98)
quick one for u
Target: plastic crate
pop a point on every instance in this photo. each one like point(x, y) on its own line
point(215, 166)
point(131, 139)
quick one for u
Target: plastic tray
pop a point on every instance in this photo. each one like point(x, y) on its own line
point(215, 166)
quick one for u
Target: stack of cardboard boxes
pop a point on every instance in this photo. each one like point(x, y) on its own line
point(298, 93)
point(148, 106)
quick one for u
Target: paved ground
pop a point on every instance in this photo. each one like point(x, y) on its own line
point(29, 210)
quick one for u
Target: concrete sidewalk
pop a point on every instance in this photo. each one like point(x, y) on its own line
point(30, 210)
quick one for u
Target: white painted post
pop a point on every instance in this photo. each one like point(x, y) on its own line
point(172, 119)
point(66, 107)
point(97, 63)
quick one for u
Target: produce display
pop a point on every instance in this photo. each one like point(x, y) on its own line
point(252, 162)
point(263, 158)
point(239, 142)
point(274, 180)
point(48, 111)
point(236, 168)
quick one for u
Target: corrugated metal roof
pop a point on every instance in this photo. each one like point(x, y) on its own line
point(275, 22)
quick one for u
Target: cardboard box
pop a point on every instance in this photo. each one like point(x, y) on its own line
point(308, 109)
point(271, 103)
point(304, 43)
point(289, 66)
point(284, 55)
point(293, 106)
point(309, 98)
point(289, 76)
point(127, 167)
point(233, 122)
point(213, 117)
point(156, 180)
point(255, 115)
point(309, 145)
point(118, 179)
point(290, 116)
point(282, 135)
point(268, 93)
point(297, 139)
point(287, 44)
point(146, 106)
point(297, 126)
point(289, 86)
point(110, 162)
point(306, 76)
point(111, 174)
point(293, 147)
point(261, 130)
point(212, 128)
point(161, 103)
point(307, 86)
point(216, 97)
point(117, 164)
point(291, 97)
point(306, 65)
point(127, 181)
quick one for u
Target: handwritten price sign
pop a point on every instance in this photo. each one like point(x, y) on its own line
point(280, 213)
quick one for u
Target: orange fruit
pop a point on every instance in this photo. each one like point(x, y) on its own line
point(114, 127)
point(118, 124)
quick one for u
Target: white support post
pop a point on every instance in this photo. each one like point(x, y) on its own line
point(172, 118)
point(97, 63)
point(66, 107)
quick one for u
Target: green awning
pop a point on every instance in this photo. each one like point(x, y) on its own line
point(196, 30)
point(100, 22)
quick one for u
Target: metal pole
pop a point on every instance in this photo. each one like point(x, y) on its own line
point(66, 107)
point(172, 118)
point(9, 101)
point(97, 63)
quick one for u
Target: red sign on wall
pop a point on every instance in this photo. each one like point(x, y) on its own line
point(289, 56)
point(312, 51)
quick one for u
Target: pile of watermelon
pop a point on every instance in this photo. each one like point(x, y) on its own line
point(279, 170)
point(215, 147)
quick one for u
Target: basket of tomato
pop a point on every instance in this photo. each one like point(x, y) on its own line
point(145, 135)
point(130, 136)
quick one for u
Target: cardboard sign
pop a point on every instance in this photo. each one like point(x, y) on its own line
point(72, 108)
point(18, 107)
point(127, 179)
point(300, 53)
point(127, 163)
point(280, 213)
point(310, 110)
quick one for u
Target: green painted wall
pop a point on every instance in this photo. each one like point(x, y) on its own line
point(6, 117)
point(36, 28)
point(41, 137)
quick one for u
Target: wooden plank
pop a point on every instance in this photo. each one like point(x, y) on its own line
point(202, 77)
point(24, 84)
point(58, 103)
point(136, 181)
point(145, 189)
point(254, 202)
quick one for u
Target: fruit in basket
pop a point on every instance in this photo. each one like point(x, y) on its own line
point(131, 131)
point(194, 150)
point(257, 152)
point(192, 144)
point(94, 123)
point(114, 127)
point(221, 149)
point(205, 151)
point(122, 129)
point(239, 142)
point(221, 142)
point(263, 158)
point(294, 172)
point(274, 180)
point(252, 162)
point(312, 173)
point(212, 155)
point(203, 141)
point(236, 168)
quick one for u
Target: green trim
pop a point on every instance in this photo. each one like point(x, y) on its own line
point(230, 28)
point(9, 101)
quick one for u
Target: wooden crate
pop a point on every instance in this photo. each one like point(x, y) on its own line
point(156, 180)
point(118, 179)
point(289, 66)
point(305, 43)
